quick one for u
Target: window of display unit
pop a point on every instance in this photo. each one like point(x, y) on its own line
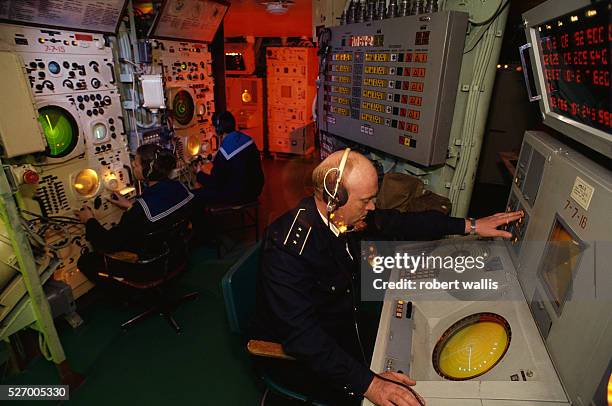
point(60, 129)
point(560, 263)
point(574, 54)
point(234, 61)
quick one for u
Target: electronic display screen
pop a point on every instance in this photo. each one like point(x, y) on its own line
point(575, 57)
point(234, 61)
point(366, 40)
point(60, 129)
point(559, 263)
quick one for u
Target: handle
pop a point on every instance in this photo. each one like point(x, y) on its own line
point(526, 73)
point(112, 71)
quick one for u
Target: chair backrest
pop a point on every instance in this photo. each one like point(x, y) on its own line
point(170, 240)
point(238, 287)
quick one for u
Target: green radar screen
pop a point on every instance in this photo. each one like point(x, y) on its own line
point(183, 107)
point(61, 130)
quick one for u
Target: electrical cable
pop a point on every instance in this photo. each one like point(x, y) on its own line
point(490, 22)
point(497, 12)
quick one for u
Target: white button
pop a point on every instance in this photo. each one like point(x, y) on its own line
point(333, 288)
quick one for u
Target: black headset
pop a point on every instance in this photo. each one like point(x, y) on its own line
point(151, 167)
point(334, 192)
point(217, 122)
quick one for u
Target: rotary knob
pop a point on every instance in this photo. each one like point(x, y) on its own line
point(113, 184)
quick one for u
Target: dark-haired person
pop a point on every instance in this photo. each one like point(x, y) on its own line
point(162, 203)
point(235, 175)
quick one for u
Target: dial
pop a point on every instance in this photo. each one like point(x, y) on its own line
point(60, 129)
point(54, 67)
point(99, 132)
point(86, 182)
point(472, 346)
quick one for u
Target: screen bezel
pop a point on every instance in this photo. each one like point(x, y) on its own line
point(594, 138)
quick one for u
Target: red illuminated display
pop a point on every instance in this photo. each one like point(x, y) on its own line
point(416, 87)
point(575, 56)
point(418, 72)
point(415, 100)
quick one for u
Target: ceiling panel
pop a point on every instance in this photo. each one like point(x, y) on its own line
point(249, 17)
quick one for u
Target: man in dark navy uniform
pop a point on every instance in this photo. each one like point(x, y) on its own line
point(235, 175)
point(305, 294)
point(162, 203)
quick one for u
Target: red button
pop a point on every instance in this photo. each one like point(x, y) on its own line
point(30, 177)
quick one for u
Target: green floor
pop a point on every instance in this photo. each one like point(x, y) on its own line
point(150, 364)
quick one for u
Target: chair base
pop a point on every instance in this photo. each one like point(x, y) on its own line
point(165, 310)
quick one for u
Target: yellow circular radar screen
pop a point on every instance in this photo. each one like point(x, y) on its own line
point(472, 346)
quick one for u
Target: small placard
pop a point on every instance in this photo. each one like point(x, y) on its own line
point(582, 193)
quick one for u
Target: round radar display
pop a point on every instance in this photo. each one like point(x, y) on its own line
point(193, 145)
point(60, 129)
point(86, 182)
point(99, 132)
point(472, 346)
point(183, 107)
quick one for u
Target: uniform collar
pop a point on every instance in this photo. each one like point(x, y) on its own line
point(329, 224)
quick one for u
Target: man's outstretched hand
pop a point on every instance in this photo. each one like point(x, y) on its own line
point(487, 226)
point(384, 393)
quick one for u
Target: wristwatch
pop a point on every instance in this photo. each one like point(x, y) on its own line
point(472, 225)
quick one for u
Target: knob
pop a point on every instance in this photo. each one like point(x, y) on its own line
point(95, 83)
point(30, 177)
point(113, 184)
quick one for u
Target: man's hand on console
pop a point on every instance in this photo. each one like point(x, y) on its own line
point(385, 393)
point(84, 214)
point(119, 200)
point(487, 226)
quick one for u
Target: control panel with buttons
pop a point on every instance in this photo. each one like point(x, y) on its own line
point(73, 85)
point(189, 84)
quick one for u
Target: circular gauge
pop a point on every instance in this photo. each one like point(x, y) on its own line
point(246, 96)
point(60, 129)
point(183, 107)
point(472, 346)
point(86, 183)
point(193, 145)
point(99, 132)
point(54, 67)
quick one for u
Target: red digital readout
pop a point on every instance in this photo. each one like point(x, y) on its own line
point(414, 114)
point(575, 57)
point(418, 72)
point(420, 57)
point(412, 128)
point(416, 87)
point(415, 101)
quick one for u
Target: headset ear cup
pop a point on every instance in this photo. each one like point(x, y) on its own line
point(341, 197)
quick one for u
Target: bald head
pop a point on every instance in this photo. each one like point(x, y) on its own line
point(359, 178)
point(358, 168)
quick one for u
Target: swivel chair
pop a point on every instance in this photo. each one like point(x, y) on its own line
point(238, 287)
point(163, 259)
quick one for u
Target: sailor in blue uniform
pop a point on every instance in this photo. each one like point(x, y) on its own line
point(306, 287)
point(236, 175)
point(162, 203)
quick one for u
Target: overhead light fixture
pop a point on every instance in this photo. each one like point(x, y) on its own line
point(278, 7)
